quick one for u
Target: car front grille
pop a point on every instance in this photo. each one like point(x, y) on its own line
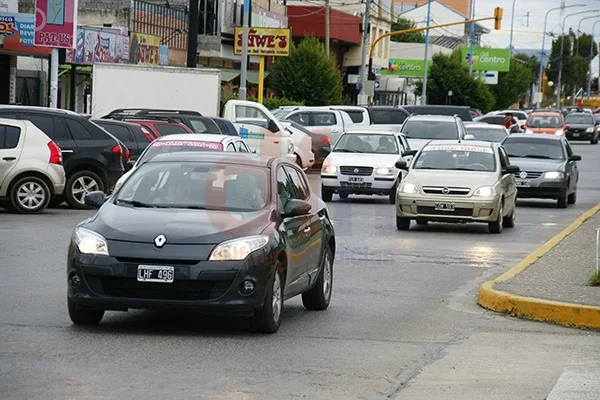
point(530, 175)
point(184, 290)
point(576, 130)
point(461, 212)
point(459, 191)
point(156, 261)
point(354, 185)
point(361, 171)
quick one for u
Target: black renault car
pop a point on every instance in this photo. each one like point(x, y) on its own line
point(548, 167)
point(218, 233)
point(582, 126)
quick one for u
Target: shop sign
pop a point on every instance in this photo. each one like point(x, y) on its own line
point(99, 45)
point(55, 23)
point(17, 33)
point(485, 59)
point(144, 49)
point(405, 68)
point(274, 42)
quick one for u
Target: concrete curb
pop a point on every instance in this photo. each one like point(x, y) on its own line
point(567, 314)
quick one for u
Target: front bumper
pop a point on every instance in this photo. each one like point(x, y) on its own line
point(110, 283)
point(369, 185)
point(580, 135)
point(466, 209)
point(542, 189)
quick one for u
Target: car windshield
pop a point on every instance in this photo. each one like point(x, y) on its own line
point(544, 121)
point(491, 134)
point(534, 148)
point(198, 125)
point(367, 143)
point(456, 158)
point(430, 130)
point(194, 185)
point(176, 146)
point(580, 119)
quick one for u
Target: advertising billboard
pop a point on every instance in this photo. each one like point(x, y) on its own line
point(55, 23)
point(144, 49)
point(274, 42)
point(17, 33)
point(405, 68)
point(97, 45)
point(485, 59)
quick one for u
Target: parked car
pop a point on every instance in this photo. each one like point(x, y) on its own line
point(387, 117)
point(463, 112)
point(192, 119)
point(548, 167)
point(546, 122)
point(321, 144)
point(226, 127)
point(326, 120)
point(358, 114)
point(162, 128)
point(421, 129)
point(270, 239)
point(31, 170)
point(458, 182)
point(92, 157)
point(582, 126)
point(305, 158)
point(135, 136)
point(486, 133)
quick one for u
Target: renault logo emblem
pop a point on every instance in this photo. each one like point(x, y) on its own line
point(356, 170)
point(445, 190)
point(160, 241)
point(523, 175)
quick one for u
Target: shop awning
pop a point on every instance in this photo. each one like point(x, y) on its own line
point(227, 75)
point(252, 77)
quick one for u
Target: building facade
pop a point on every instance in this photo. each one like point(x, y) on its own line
point(462, 6)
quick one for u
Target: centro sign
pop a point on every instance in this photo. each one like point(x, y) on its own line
point(405, 68)
point(485, 59)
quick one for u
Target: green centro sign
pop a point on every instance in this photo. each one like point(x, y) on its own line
point(405, 68)
point(487, 59)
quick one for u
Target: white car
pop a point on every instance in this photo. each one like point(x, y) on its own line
point(305, 158)
point(421, 129)
point(325, 120)
point(363, 162)
point(187, 142)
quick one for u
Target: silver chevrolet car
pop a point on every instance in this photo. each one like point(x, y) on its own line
point(468, 181)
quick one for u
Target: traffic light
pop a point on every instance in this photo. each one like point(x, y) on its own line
point(498, 17)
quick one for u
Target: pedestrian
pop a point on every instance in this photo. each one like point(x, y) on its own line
point(509, 120)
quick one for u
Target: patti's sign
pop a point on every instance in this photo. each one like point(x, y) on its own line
point(274, 42)
point(55, 23)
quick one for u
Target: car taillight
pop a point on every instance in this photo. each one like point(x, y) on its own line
point(127, 154)
point(325, 140)
point(148, 135)
point(117, 150)
point(55, 153)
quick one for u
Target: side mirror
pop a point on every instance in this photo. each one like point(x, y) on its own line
point(295, 208)
point(575, 158)
point(272, 126)
point(409, 153)
point(469, 137)
point(95, 199)
point(401, 164)
point(512, 169)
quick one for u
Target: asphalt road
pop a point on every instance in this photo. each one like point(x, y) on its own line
point(403, 322)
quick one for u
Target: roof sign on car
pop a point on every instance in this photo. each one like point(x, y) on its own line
point(189, 143)
point(453, 147)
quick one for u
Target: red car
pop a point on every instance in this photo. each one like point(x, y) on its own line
point(162, 128)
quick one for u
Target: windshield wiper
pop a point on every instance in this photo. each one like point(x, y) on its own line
point(538, 156)
point(514, 155)
point(345, 151)
point(136, 203)
point(469, 169)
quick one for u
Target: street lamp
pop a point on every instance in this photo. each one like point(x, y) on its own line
point(450, 97)
point(539, 99)
point(512, 25)
point(579, 31)
point(589, 87)
point(426, 57)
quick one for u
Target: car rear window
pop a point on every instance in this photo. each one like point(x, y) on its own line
point(414, 129)
point(492, 134)
point(167, 129)
point(9, 136)
point(463, 113)
point(355, 115)
point(387, 117)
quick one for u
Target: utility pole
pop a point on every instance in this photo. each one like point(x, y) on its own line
point(192, 48)
point(560, 66)
point(327, 22)
point(426, 57)
point(528, 19)
point(472, 39)
point(244, 69)
point(362, 96)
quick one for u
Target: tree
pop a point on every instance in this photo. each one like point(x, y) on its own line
point(448, 73)
point(403, 24)
point(513, 85)
point(308, 75)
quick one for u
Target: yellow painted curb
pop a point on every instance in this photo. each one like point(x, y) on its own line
point(537, 309)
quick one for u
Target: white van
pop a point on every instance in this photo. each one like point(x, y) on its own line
point(261, 131)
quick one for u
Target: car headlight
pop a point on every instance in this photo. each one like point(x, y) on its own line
point(553, 175)
point(408, 188)
point(385, 171)
point(238, 249)
point(290, 147)
point(528, 131)
point(329, 169)
point(90, 242)
point(589, 130)
point(559, 132)
point(485, 191)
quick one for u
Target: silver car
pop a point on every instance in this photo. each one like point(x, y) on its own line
point(468, 181)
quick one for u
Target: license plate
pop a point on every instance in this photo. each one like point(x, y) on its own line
point(522, 182)
point(444, 206)
point(155, 273)
point(356, 179)
point(575, 134)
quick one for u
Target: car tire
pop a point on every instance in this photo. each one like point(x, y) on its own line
point(498, 224)
point(393, 194)
point(343, 195)
point(562, 201)
point(509, 222)
point(402, 224)
point(267, 319)
point(319, 297)
point(80, 183)
point(422, 221)
point(326, 194)
point(29, 195)
point(572, 198)
point(84, 316)
point(594, 139)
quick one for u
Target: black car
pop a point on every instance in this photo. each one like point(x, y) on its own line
point(463, 112)
point(93, 158)
point(134, 136)
point(214, 232)
point(582, 126)
point(192, 119)
point(548, 167)
point(226, 127)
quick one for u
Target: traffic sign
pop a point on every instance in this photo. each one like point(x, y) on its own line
point(376, 84)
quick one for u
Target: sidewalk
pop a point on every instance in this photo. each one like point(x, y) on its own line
point(551, 284)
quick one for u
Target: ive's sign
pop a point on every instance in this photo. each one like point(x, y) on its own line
point(487, 59)
point(273, 42)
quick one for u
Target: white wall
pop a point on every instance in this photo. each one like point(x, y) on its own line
point(415, 51)
point(439, 15)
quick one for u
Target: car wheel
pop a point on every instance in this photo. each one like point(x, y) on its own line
point(402, 224)
point(343, 195)
point(562, 201)
point(268, 318)
point(29, 195)
point(594, 139)
point(393, 194)
point(78, 185)
point(497, 225)
point(56, 201)
point(84, 316)
point(421, 221)
point(326, 194)
point(572, 198)
point(319, 296)
point(509, 222)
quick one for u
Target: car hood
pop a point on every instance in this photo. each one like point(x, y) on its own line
point(362, 159)
point(180, 226)
point(470, 179)
point(536, 165)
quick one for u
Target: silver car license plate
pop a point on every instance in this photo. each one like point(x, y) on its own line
point(356, 179)
point(522, 183)
point(155, 273)
point(444, 206)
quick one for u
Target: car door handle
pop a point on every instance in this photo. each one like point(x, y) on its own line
point(306, 230)
point(9, 158)
point(66, 151)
